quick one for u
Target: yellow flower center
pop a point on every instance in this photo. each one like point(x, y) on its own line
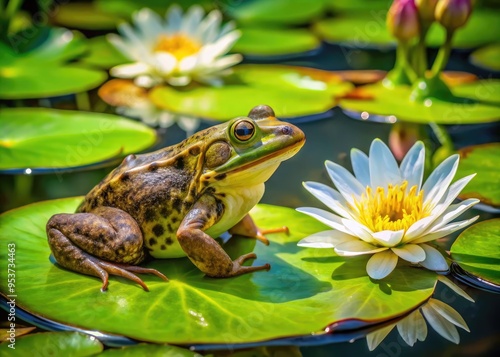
point(395, 210)
point(178, 45)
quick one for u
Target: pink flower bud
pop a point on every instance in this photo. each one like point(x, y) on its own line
point(453, 14)
point(426, 9)
point(402, 19)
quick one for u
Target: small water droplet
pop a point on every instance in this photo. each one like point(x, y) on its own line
point(28, 171)
point(428, 102)
point(365, 115)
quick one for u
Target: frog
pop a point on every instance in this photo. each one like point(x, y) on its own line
point(175, 202)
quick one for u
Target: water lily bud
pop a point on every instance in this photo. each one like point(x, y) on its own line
point(402, 19)
point(402, 137)
point(426, 9)
point(453, 14)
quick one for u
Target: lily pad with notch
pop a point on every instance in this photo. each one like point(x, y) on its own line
point(297, 297)
point(44, 71)
point(43, 140)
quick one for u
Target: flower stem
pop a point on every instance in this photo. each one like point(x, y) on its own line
point(402, 54)
point(421, 53)
point(83, 101)
point(443, 55)
point(12, 8)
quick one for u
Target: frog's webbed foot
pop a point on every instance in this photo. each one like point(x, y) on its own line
point(247, 228)
point(106, 241)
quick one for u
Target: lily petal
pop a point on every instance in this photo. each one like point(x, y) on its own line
point(410, 252)
point(374, 338)
point(444, 231)
point(451, 194)
point(358, 230)
point(355, 247)
point(418, 228)
point(412, 166)
point(381, 264)
point(324, 239)
point(330, 197)
point(360, 166)
point(388, 238)
point(207, 31)
point(192, 20)
point(412, 328)
point(174, 19)
point(383, 166)
point(456, 289)
point(440, 324)
point(453, 212)
point(345, 182)
point(325, 217)
point(448, 313)
point(433, 259)
point(439, 180)
point(130, 70)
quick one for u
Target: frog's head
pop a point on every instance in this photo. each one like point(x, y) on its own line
point(248, 150)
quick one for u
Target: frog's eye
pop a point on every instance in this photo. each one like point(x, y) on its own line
point(244, 130)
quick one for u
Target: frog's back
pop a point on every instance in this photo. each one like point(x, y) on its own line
point(157, 190)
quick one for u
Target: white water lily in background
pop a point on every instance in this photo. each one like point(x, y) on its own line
point(151, 115)
point(386, 211)
point(442, 317)
point(177, 49)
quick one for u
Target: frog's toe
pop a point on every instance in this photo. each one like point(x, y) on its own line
point(239, 268)
point(127, 271)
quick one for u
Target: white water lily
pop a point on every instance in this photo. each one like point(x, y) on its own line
point(177, 50)
point(442, 318)
point(151, 115)
point(386, 211)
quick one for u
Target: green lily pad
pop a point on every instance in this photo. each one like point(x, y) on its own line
point(42, 71)
point(487, 57)
point(357, 5)
point(482, 160)
point(103, 54)
point(477, 250)
point(262, 41)
point(85, 16)
point(143, 349)
point(125, 8)
point(476, 102)
point(364, 28)
point(39, 138)
point(305, 290)
point(290, 12)
point(291, 91)
point(53, 344)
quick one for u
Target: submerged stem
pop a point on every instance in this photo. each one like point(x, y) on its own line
point(421, 53)
point(402, 54)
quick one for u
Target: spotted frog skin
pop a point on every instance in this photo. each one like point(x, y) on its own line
point(173, 202)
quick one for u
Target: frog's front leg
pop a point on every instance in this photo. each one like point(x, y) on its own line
point(106, 240)
point(203, 250)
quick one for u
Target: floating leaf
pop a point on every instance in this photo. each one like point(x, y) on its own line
point(125, 8)
point(53, 344)
point(291, 91)
point(262, 41)
point(358, 5)
point(39, 138)
point(476, 102)
point(477, 250)
point(274, 12)
point(363, 29)
point(85, 16)
point(487, 57)
point(304, 292)
point(482, 160)
point(43, 72)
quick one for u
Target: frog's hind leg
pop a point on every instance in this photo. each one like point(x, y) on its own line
point(105, 241)
point(247, 228)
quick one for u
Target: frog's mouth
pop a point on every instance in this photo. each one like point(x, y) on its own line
point(275, 157)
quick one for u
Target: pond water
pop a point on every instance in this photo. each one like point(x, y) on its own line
point(330, 138)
